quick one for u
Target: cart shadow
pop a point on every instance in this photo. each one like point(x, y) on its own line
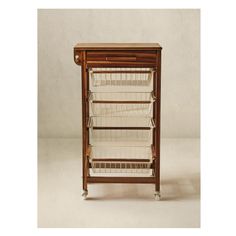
point(181, 188)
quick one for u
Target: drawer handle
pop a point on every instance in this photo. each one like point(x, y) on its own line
point(121, 58)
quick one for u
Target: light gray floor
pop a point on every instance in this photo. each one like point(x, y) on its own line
point(59, 190)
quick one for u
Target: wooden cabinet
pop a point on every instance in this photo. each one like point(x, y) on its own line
point(121, 97)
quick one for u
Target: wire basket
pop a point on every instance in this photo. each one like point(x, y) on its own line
point(121, 104)
point(121, 76)
point(121, 122)
point(121, 131)
point(120, 137)
point(120, 159)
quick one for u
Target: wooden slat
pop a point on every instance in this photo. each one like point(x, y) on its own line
point(122, 102)
point(122, 128)
point(119, 160)
point(121, 72)
point(92, 65)
point(127, 180)
point(119, 63)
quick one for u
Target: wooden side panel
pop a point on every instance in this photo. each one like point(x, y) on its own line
point(157, 117)
point(85, 113)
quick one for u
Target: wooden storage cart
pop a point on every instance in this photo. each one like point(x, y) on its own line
point(121, 97)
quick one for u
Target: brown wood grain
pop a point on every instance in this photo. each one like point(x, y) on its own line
point(135, 55)
point(120, 160)
point(121, 72)
point(124, 180)
point(121, 102)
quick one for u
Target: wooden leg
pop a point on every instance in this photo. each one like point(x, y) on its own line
point(157, 194)
point(85, 175)
point(157, 175)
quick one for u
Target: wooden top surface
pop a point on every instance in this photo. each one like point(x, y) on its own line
point(117, 46)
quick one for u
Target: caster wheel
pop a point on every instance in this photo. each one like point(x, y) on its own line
point(157, 196)
point(85, 194)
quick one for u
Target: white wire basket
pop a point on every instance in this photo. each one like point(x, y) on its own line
point(120, 159)
point(121, 76)
point(120, 137)
point(121, 122)
point(121, 104)
point(125, 131)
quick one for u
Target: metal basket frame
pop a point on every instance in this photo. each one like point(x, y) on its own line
point(121, 76)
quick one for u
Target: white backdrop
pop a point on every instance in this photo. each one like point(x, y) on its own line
point(59, 87)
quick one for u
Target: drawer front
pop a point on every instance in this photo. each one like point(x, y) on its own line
point(121, 58)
